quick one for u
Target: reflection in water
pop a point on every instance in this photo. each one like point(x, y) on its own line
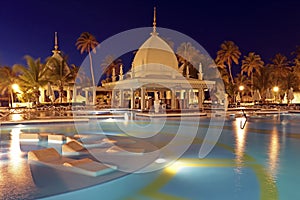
point(15, 153)
point(273, 152)
point(240, 142)
point(15, 182)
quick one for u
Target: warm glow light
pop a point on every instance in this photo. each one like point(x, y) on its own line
point(240, 140)
point(16, 88)
point(175, 167)
point(274, 148)
point(276, 89)
point(241, 88)
point(17, 117)
point(15, 152)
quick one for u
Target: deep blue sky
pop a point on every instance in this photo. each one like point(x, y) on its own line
point(27, 27)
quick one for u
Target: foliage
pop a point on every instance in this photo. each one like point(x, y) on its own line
point(228, 54)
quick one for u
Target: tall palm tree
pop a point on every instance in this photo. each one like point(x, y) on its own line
point(229, 54)
point(8, 77)
point(242, 80)
point(252, 63)
point(188, 56)
point(262, 81)
point(60, 74)
point(280, 68)
point(109, 63)
point(296, 63)
point(33, 76)
point(87, 43)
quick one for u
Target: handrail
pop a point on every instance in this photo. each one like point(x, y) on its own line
point(243, 124)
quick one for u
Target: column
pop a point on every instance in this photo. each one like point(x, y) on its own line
point(132, 98)
point(142, 98)
point(173, 99)
point(161, 95)
point(121, 102)
point(68, 94)
point(200, 98)
point(113, 97)
point(42, 95)
point(74, 94)
point(87, 97)
point(187, 98)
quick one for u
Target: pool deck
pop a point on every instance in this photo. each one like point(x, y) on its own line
point(85, 117)
point(159, 115)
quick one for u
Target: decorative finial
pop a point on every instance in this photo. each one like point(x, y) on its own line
point(55, 42)
point(55, 51)
point(154, 22)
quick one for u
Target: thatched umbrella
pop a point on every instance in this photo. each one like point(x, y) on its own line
point(269, 95)
point(256, 95)
point(290, 95)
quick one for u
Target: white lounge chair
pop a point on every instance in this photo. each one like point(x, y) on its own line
point(125, 150)
point(73, 148)
point(29, 137)
point(51, 157)
point(56, 138)
point(89, 167)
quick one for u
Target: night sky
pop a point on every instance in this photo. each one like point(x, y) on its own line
point(27, 27)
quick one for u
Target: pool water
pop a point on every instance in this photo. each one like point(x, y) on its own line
point(260, 161)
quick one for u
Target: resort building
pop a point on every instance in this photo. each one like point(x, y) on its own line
point(155, 79)
point(154, 82)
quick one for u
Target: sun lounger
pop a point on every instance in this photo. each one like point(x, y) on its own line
point(55, 138)
point(119, 140)
point(125, 150)
point(51, 157)
point(29, 137)
point(73, 148)
point(89, 167)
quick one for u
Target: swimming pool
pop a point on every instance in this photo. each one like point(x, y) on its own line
point(257, 162)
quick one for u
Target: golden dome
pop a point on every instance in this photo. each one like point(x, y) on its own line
point(154, 57)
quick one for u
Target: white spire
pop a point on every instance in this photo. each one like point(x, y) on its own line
point(154, 23)
point(55, 43)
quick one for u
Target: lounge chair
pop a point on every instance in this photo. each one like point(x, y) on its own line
point(89, 167)
point(29, 137)
point(51, 157)
point(56, 138)
point(125, 150)
point(73, 148)
point(90, 141)
point(77, 148)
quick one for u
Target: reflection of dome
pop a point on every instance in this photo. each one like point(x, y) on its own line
point(154, 57)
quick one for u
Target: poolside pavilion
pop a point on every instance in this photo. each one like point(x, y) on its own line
point(155, 79)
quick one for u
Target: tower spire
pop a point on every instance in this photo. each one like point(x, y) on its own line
point(154, 21)
point(55, 44)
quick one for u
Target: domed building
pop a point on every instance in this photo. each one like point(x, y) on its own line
point(156, 78)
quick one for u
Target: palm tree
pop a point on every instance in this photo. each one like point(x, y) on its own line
point(241, 80)
point(280, 68)
point(87, 43)
point(189, 57)
point(8, 77)
point(33, 76)
point(109, 63)
point(59, 74)
point(229, 53)
point(252, 63)
point(296, 63)
point(262, 81)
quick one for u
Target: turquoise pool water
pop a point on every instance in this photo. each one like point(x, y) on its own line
point(260, 161)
